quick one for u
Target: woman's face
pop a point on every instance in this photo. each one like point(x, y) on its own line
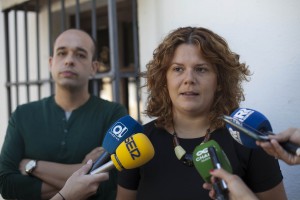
point(191, 81)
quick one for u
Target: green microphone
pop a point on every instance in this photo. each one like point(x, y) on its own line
point(207, 156)
point(203, 161)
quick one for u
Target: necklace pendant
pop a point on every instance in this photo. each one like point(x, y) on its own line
point(179, 152)
point(186, 159)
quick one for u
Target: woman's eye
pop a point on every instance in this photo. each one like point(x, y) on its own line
point(201, 69)
point(178, 69)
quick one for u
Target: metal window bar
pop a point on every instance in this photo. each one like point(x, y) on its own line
point(77, 14)
point(7, 49)
point(26, 52)
point(94, 19)
point(136, 54)
point(17, 55)
point(38, 66)
point(114, 49)
point(49, 4)
point(63, 14)
point(94, 35)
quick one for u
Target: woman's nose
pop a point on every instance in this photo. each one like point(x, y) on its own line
point(189, 77)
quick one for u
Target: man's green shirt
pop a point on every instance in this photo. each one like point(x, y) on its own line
point(40, 130)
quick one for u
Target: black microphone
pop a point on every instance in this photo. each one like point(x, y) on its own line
point(220, 186)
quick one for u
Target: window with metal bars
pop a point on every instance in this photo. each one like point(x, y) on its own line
point(31, 27)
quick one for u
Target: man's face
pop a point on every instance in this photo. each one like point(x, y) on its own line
point(71, 64)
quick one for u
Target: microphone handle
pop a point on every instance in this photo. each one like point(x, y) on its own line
point(103, 158)
point(291, 148)
point(220, 185)
point(104, 168)
point(220, 194)
point(217, 165)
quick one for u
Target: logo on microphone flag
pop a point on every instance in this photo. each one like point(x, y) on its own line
point(203, 162)
point(118, 130)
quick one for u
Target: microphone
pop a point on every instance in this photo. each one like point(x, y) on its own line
point(247, 125)
point(207, 156)
point(219, 185)
point(252, 120)
point(133, 152)
point(116, 134)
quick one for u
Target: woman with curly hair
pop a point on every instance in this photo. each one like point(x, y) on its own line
point(192, 80)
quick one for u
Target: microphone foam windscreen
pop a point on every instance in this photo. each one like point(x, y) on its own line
point(119, 131)
point(133, 152)
point(250, 119)
point(202, 160)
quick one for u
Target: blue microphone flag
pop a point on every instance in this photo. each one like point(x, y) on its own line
point(116, 134)
point(119, 131)
point(250, 119)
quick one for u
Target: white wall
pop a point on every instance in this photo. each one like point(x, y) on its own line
point(265, 34)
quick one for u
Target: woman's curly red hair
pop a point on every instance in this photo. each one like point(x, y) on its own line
point(230, 74)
